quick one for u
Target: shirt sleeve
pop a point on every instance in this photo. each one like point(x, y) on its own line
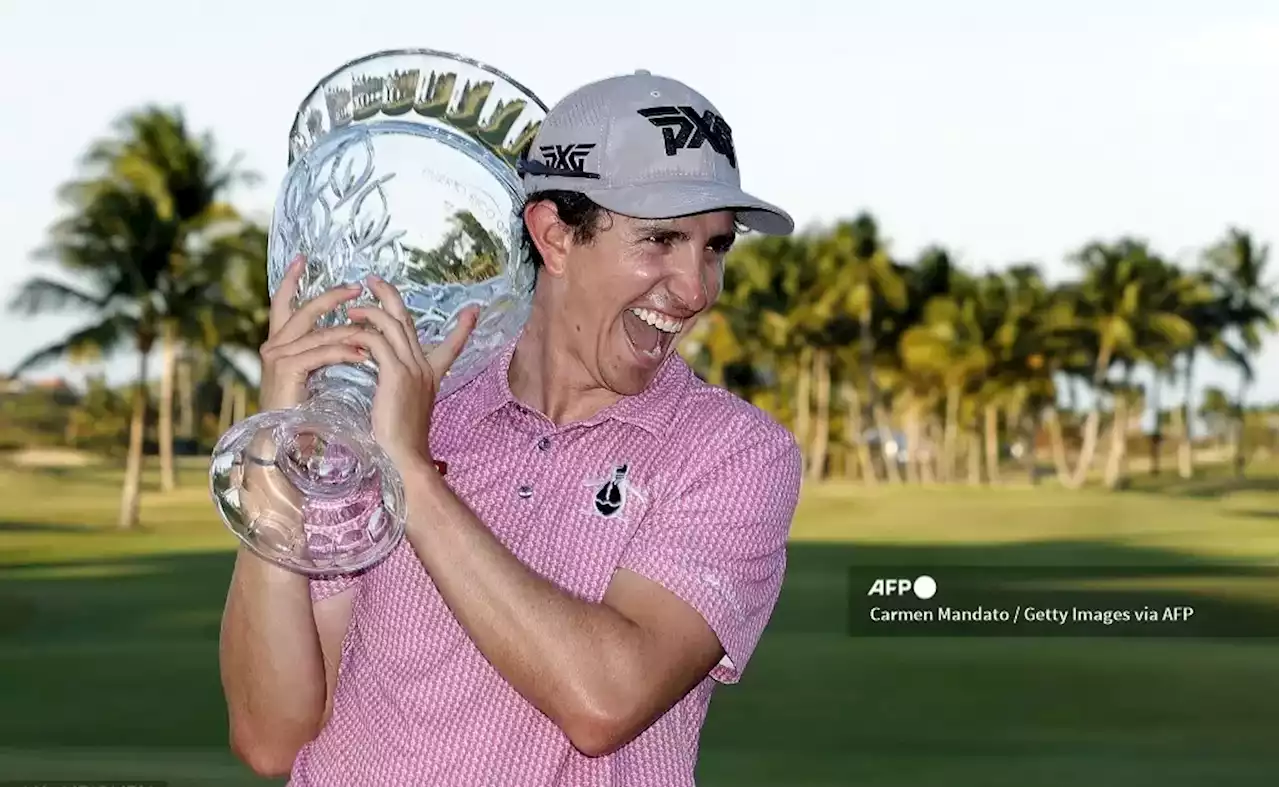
point(325, 587)
point(720, 542)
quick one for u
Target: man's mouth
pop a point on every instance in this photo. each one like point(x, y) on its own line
point(650, 332)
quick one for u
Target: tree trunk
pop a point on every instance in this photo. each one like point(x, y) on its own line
point(855, 433)
point(1020, 427)
point(1238, 450)
point(1057, 445)
point(71, 430)
point(1029, 428)
point(129, 496)
point(928, 461)
point(1178, 427)
point(850, 469)
point(1089, 439)
point(911, 431)
point(1157, 431)
point(168, 372)
point(950, 432)
point(822, 418)
point(992, 424)
point(1186, 460)
point(1114, 472)
point(186, 400)
point(973, 456)
point(1111, 467)
point(224, 409)
point(241, 403)
point(804, 374)
point(1088, 447)
point(885, 427)
point(867, 360)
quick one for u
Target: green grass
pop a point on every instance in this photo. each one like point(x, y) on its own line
point(108, 645)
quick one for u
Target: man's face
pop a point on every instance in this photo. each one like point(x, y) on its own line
point(636, 288)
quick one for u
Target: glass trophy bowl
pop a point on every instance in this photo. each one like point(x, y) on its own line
point(402, 164)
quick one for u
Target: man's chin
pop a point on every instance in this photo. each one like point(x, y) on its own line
point(635, 373)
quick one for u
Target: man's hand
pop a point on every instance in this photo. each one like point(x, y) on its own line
point(295, 348)
point(408, 377)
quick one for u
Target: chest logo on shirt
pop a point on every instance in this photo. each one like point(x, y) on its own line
point(611, 497)
point(612, 491)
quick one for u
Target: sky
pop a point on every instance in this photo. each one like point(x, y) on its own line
point(1006, 131)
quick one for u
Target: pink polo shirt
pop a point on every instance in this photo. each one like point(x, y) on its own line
point(684, 483)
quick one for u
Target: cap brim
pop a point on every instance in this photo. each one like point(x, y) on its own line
point(672, 200)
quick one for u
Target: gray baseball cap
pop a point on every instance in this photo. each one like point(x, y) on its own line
point(645, 146)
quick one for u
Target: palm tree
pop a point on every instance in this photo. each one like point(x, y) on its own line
point(947, 346)
point(1116, 308)
point(110, 244)
point(1167, 289)
point(153, 151)
point(855, 287)
point(243, 326)
point(136, 248)
point(1019, 323)
point(1247, 301)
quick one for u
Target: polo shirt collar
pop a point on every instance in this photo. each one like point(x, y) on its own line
point(653, 409)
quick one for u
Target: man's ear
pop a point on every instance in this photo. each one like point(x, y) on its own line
point(550, 235)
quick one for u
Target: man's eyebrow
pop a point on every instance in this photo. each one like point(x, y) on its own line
point(661, 230)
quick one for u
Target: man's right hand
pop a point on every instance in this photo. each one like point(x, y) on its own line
point(293, 350)
point(295, 347)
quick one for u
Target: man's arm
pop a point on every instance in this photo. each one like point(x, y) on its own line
point(602, 672)
point(279, 651)
point(279, 659)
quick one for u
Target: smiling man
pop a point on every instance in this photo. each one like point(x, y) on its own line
point(610, 538)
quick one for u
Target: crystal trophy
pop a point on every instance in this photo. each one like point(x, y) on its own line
point(402, 164)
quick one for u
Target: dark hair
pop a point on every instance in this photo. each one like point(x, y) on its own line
point(577, 211)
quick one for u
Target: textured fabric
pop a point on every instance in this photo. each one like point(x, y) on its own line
point(702, 507)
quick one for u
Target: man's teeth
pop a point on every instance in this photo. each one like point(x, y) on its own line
point(664, 324)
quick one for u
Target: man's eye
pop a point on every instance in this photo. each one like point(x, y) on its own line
point(661, 240)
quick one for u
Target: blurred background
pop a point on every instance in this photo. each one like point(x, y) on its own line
point(1030, 321)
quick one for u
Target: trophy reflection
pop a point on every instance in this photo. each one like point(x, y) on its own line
point(403, 165)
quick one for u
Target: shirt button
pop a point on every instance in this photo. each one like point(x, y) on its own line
point(544, 444)
point(525, 492)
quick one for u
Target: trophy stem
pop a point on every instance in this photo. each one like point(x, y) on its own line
point(335, 463)
point(326, 453)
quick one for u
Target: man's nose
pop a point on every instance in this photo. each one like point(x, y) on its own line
point(689, 281)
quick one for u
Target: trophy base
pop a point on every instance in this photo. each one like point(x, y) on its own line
point(308, 490)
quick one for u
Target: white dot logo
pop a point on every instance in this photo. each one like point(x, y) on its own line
point(924, 586)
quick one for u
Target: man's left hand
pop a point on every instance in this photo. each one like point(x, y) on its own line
point(409, 377)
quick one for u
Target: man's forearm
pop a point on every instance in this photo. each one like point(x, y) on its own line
point(273, 671)
point(574, 660)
